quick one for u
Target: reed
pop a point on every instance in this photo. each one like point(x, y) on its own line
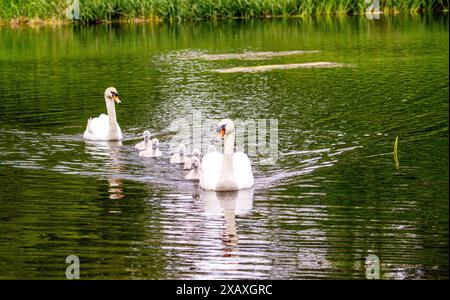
point(395, 152)
point(180, 10)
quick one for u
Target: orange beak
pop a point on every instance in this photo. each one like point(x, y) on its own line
point(222, 132)
point(116, 98)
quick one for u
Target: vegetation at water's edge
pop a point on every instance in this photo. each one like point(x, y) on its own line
point(178, 10)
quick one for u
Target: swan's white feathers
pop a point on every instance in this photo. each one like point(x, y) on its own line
point(179, 159)
point(211, 169)
point(144, 145)
point(150, 152)
point(242, 170)
point(194, 174)
point(157, 153)
point(98, 129)
point(230, 171)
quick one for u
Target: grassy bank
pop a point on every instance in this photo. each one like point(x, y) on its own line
point(91, 11)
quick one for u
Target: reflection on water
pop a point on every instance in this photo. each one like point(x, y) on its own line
point(228, 204)
point(115, 189)
point(333, 196)
point(110, 151)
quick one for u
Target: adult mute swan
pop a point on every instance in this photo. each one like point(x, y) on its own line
point(194, 174)
point(152, 151)
point(146, 143)
point(230, 171)
point(105, 127)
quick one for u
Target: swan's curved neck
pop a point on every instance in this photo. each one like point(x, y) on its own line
point(228, 145)
point(227, 181)
point(113, 127)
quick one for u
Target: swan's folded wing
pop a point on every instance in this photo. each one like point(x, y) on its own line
point(158, 153)
point(242, 170)
point(140, 146)
point(97, 128)
point(211, 167)
point(143, 145)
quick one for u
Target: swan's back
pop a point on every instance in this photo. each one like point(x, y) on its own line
point(146, 153)
point(98, 129)
point(144, 145)
point(242, 169)
point(157, 153)
point(179, 159)
point(211, 169)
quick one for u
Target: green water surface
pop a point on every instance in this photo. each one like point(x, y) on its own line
point(334, 195)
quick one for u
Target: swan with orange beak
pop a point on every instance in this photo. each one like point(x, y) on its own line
point(230, 171)
point(105, 127)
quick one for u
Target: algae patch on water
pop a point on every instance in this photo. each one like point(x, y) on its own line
point(265, 68)
point(251, 55)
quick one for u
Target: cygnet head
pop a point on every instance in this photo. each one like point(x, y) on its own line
point(155, 143)
point(225, 127)
point(111, 94)
point(196, 153)
point(195, 162)
point(212, 148)
point(146, 135)
point(181, 149)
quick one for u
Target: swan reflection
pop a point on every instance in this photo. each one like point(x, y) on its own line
point(115, 189)
point(228, 204)
point(109, 150)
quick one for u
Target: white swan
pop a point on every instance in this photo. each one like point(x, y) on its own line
point(145, 143)
point(152, 151)
point(194, 174)
point(105, 127)
point(180, 157)
point(188, 163)
point(231, 171)
point(155, 147)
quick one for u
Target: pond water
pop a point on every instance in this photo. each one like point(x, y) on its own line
point(334, 194)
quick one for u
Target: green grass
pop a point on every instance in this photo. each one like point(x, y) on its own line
point(180, 10)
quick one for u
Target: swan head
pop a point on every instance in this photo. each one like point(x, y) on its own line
point(181, 149)
point(146, 135)
point(196, 153)
point(155, 143)
point(112, 94)
point(225, 127)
